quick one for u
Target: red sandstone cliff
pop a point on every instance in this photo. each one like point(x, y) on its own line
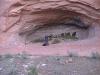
point(23, 15)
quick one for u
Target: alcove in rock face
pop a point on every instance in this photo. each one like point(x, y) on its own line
point(60, 32)
point(69, 29)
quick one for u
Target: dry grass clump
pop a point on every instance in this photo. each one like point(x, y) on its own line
point(95, 55)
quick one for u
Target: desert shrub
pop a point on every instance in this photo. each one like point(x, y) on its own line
point(74, 36)
point(13, 72)
point(8, 56)
point(95, 55)
point(68, 35)
point(72, 54)
point(33, 71)
point(17, 55)
point(1, 57)
point(24, 55)
point(62, 35)
point(50, 37)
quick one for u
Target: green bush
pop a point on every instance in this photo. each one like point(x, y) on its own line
point(74, 36)
point(68, 36)
point(33, 71)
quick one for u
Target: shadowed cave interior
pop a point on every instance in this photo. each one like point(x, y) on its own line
point(67, 30)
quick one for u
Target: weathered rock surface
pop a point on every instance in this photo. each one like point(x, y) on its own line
point(22, 16)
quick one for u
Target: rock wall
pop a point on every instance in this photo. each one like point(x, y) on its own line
point(24, 15)
point(33, 10)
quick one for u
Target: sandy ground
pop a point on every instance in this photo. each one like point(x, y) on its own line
point(81, 47)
